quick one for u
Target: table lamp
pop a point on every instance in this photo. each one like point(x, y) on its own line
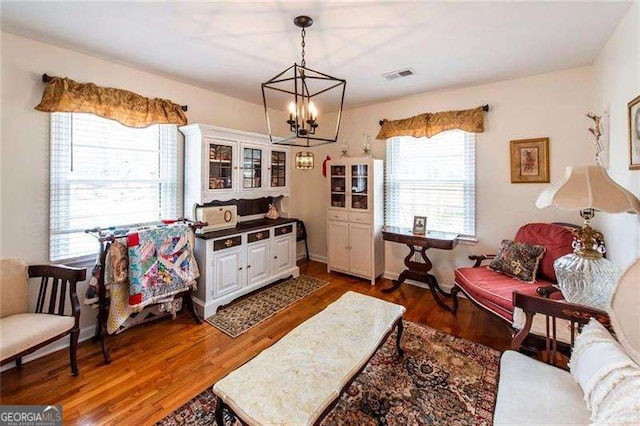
point(585, 276)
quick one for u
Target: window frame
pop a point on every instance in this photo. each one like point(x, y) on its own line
point(469, 185)
point(61, 180)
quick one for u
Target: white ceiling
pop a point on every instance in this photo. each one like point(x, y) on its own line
point(232, 47)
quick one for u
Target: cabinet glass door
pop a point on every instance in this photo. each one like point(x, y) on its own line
point(278, 178)
point(251, 168)
point(359, 187)
point(339, 186)
point(220, 166)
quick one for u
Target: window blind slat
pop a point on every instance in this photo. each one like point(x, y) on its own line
point(106, 174)
point(432, 177)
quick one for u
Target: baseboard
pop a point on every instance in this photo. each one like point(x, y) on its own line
point(313, 256)
point(85, 334)
point(393, 275)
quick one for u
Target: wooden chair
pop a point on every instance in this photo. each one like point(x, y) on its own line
point(23, 332)
point(302, 235)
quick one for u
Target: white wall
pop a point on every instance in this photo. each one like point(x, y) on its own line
point(616, 82)
point(24, 186)
point(550, 105)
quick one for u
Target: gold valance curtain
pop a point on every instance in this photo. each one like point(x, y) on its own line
point(130, 109)
point(429, 124)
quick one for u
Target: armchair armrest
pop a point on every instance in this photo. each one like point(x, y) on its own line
point(577, 315)
point(547, 291)
point(481, 257)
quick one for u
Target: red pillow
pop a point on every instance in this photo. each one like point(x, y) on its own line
point(556, 238)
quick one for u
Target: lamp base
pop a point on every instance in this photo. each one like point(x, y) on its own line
point(587, 280)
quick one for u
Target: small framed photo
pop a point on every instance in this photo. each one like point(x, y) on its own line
point(634, 134)
point(419, 225)
point(530, 161)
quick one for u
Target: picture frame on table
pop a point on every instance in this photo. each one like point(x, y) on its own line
point(530, 160)
point(420, 225)
point(634, 134)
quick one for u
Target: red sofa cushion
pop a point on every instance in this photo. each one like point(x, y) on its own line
point(556, 238)
point(494, 291)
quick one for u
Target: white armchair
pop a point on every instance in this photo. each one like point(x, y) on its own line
point(603, 384)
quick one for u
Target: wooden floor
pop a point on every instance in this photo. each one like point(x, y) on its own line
point(159, 366)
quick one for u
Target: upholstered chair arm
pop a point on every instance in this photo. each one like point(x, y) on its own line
point(54, 276)
point(577, 315)
point(480, 258)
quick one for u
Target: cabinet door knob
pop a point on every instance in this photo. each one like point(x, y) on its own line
point(259, 235)
point(228, 243)
point(275, 257)
point(240, 268)
point(248, 266)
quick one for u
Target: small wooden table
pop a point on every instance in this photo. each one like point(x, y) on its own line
point(416, 270)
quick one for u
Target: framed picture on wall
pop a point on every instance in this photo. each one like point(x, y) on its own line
point(419, 225)
point(530, 161)
point(634, 134)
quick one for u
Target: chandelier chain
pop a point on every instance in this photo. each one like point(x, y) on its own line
point(302, 44)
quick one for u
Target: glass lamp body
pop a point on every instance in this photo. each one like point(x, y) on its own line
point(585, 280)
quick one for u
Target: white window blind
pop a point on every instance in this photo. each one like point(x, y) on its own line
point(433, 177)
point(106, 174)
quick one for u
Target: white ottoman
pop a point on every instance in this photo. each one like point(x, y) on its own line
point(298, 379)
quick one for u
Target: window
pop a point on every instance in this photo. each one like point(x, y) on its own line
point(106, 174)
point(432, 177)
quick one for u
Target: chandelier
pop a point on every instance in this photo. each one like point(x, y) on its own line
point(292, 99)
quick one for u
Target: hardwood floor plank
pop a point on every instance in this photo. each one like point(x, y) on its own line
point(159, 366)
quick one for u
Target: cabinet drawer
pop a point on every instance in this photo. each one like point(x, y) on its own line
point(360, 217)
point(226, 243)
point(334, 215)
point(283, 230)
point(258, 236)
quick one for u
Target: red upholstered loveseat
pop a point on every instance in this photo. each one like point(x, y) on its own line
point(493, 291)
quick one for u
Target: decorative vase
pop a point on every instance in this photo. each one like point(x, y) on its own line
point(587, 281)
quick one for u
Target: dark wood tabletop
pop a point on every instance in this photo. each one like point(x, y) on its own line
point(432, 239)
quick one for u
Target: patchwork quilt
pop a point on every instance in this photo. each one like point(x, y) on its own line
point(161, 264)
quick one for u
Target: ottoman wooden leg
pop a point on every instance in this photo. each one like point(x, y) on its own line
point(400, 327)
point(219, 408)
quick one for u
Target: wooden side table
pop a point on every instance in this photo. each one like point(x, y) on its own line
point(416, 270)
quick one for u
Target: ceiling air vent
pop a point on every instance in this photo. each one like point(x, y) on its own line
point(398, 74)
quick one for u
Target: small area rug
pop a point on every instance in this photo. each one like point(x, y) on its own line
point(247, 313)
point(441, 379)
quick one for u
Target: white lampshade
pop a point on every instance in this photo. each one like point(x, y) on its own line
point(588, 187)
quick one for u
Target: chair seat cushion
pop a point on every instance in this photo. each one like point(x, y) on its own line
point(23, 331)
point(532, 392)
point(494, 291)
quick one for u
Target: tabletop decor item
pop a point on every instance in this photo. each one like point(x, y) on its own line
point(366, 145)
point(585, 276)
point(634, 134)
point(273, 212)
point(530, 160)
point(419, 225)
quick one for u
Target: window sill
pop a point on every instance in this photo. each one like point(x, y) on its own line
point(468, 241)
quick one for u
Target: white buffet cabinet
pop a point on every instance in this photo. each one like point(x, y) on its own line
point(240, 262)
point(355, 217)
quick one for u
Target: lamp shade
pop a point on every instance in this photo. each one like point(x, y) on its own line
point(588, 187)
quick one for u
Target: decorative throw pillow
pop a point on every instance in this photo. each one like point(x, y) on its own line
point(518, 260)
point(609, 379)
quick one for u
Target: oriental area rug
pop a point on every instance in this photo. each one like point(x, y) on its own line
point(441, 380)
point(245, 314)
